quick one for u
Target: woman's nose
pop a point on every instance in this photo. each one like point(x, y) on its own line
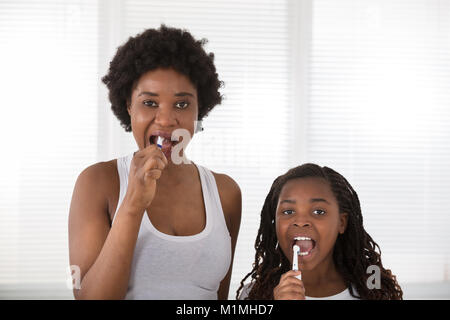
point(165, 116)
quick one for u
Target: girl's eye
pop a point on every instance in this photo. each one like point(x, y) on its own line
point(319, 212)
point(150, 103)
point(182, 104)
point(288, 211)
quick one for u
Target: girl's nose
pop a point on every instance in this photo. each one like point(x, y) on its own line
point(302, 224)
point(301, 221)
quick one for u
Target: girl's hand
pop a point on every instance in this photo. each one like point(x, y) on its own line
point(289, 288)
point(146, 167)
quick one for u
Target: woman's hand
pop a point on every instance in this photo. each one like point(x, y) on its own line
point(289, 287)
point(146, 167)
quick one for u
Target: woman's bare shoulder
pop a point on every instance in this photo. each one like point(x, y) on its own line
point(231, 199)
point(103, 180)
point(226, 183)
point(103, 173)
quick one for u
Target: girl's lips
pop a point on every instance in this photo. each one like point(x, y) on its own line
point(306, 245)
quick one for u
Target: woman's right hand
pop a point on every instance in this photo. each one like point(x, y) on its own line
point(289, 287)
point(146, 167)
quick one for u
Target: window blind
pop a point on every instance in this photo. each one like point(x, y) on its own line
point(49, 90)
point(378, 112)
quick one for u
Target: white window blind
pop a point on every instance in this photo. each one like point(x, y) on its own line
point(378, 112)
point(48, 79)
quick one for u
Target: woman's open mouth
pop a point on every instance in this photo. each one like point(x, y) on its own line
point(167, 143)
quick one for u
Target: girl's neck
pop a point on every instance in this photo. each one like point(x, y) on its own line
point(323, 281)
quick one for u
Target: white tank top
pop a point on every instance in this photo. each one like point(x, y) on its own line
point(179, 267)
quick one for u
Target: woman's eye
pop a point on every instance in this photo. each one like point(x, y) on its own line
point(288, 211)
point(182, 104)
point(319, 212)
point(150, 103)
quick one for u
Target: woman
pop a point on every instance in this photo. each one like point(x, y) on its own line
point(144, 226)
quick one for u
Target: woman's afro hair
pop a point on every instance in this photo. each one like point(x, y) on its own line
point(162, 48)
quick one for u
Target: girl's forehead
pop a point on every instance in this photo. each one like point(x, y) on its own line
point(308, 187)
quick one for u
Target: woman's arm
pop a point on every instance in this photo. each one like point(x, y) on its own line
point(102, 253)
point(231, 199)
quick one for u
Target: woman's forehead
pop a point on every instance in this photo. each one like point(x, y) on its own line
point(164, 79)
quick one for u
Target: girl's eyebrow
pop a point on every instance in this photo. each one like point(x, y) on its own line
point(318, 200)
point(313, 200)
point(287, 201)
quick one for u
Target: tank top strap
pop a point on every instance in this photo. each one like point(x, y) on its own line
point(123, 168)
point(211, 195)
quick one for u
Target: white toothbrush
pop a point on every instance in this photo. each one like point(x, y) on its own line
point(159, 142)
point(296, 250)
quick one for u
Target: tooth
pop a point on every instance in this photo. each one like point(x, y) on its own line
point(303, 253)
point(302, 238)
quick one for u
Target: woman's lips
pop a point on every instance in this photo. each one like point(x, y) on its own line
point(166, 145)
point(167, 142)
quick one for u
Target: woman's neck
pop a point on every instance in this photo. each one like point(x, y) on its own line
point(174, 173)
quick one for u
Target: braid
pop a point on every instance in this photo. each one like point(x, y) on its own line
point(354, 250)
point(270, 263)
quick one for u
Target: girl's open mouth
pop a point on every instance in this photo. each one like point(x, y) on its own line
point(306, 245)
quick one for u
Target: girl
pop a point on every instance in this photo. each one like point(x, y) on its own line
point(317, 209)
point(144, 226)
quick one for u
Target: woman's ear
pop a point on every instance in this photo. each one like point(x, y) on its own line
point(129, 107)
point(343, 219)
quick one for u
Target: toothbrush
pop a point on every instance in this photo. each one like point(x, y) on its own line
point(159, 142)
point(296, 250)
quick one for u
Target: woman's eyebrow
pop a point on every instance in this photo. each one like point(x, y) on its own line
point(183, 94)
point(178, 94)
point(148, 93)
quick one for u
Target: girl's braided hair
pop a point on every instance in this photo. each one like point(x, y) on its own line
point(354, 250)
